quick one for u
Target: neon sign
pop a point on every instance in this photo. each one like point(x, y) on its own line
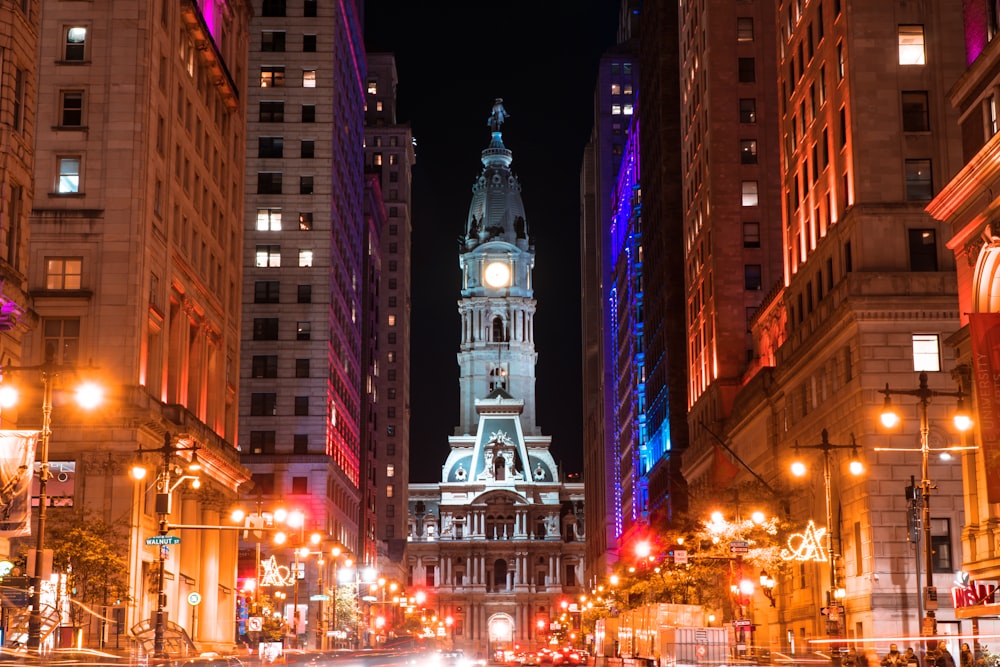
point(276, 575)
point(806, 546)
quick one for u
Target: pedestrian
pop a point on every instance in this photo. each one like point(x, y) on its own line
point(893, 658)
point(965, 656)
point(943, 658)
point(910, 658)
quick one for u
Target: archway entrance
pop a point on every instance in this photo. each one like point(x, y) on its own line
point(500, 628)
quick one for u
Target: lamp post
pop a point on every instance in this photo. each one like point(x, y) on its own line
point(963, 422)
point(168, 478)
point(799, 469)
point(88, 395)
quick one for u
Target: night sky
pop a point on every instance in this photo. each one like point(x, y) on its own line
point(453, 59)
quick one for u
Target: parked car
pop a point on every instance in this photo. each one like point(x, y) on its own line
point(566, 656)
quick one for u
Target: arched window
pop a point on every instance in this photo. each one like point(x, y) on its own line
point(499, 330)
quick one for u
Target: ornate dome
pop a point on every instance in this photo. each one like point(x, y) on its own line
point(496, 212)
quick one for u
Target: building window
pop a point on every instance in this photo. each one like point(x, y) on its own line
point(264, 484)
point(916, 117)
point(61, 340)
point(941, 545)
point(303, 330)
point(76, 43)
point(261, 442)
point(301, 368)
point(390, 430)
point(273, 8)
point(266, 291)
point(911, 45)
point(265, 328)
point(305, 185)
point(748, 110)
point(269, 220)
point(391, 339)
point(272, 40)
point(926, 353)
point(63, 272)
point(300, 443)
point(272, 76)
point(300, 485)
point(751, 234)
point(309, 8)
point(263, 404)
point(309, 78)
point(308, 113)
point(919, 185)
point(744, 29)
point(389, 491)
point(309, 43)
point(305, 258)
point(69, 175)
point(746, 70)
point(923, 250)
point(308, 148)
point(748, 151)
point(392, 320)
point(268, 256)
point(305, 222)
point(390, 470)
point(269, 183)
point(301, 406)
point(272, 112)
point(264, 366)
point(750, 193)
point(752, 277)
point(72, 109)
point(304, 294)
point(270, 147)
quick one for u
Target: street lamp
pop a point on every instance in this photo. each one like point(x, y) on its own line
point(168, 478)
point(963, 422)
point(856, 468)
point(88, 395)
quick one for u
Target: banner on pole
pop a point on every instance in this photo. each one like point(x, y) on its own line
point(17, 459)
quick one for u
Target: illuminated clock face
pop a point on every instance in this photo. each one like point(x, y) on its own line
point(497, 274)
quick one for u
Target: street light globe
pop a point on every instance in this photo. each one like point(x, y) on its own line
point(8, 396)
point(856, 467)
point(89, 395)
point(889, 418)
point(757, 517)
point(138, 472)
point(798, 468)
point(281, 515)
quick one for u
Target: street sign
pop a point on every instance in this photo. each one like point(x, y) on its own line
point(742, 623)
point(163, 539)
point(739, 547)
point(680, 556)
point(319, 597)
point(255, 624)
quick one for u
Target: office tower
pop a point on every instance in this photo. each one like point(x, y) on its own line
point(305, 402)
point(134, 268)
point(390, 154)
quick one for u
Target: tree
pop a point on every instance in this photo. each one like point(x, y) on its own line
point(93, 555)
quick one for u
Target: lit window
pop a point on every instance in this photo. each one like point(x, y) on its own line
point(378, 106)
point(627, 89)
point(372, 87)
point(61, 339)
point(628, 109)
point(268, 256)
point(63, 273)
point(76, 40)
point(616, 109)
point(269, 220)
point(919, 183)
point(750, 193)
point(309, 78)
point(305, 258)
point(69, 175)
point(744, 29)
point(271, 76)
point(390, 470)
point(388, 491)
point(392, 320)
point(911, 45)
point(926, 353)
point(616, 89)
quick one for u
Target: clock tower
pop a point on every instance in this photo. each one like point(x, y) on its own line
point(497, 307)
